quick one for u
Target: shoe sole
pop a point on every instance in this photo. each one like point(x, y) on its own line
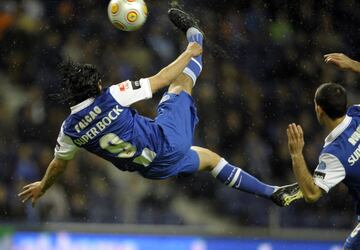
point(289, 199)
point(193, 20)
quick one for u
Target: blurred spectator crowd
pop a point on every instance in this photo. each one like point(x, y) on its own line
point(263, 62)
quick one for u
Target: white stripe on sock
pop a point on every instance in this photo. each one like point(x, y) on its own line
point(235, 178)
point(193, 59)
point(215, 172)
point(238, 185)
point(191, 74)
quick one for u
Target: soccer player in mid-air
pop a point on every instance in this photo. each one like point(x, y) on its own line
point(339, 160)
point(102, 122)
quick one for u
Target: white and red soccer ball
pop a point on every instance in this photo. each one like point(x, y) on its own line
point(127, 15)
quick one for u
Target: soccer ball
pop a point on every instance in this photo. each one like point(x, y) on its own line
point(127, 15)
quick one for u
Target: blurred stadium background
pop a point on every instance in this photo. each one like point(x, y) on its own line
point(261, 76)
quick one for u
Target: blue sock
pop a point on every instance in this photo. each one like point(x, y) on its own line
point(193, 69)
point(237, 178)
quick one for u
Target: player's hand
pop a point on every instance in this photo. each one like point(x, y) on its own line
point(295, 139)
point(32, 191)
point(342, 61)
point(194, 49)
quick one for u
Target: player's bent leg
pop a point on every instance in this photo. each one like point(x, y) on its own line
point(194, 68)
point(353, 241)
point(237, 178)
point(190, 27)
point(186, 80)
point(182, 83)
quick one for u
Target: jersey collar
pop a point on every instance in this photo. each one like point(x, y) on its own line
point(338, 130)
point(80, 106)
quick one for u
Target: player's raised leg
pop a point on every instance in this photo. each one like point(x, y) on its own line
point(237, 178)
point(189, 26)
point(208, 160)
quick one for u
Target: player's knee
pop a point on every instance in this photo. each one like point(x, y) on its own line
point(182, 83)
point(208, 158)
point(183, 80)
point(176, 89)
point(212, 160)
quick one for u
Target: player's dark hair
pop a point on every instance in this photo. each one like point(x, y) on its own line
point(332, 98)
point(78, 82)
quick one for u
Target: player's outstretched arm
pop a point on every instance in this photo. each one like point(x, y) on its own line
point(310, 190)
point(35, 190)
point(173, 70)
point(343, 62)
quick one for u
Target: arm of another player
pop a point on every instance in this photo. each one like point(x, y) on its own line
point(173, 70)
point(305, 180)
point(343, 62)
point(37, 189)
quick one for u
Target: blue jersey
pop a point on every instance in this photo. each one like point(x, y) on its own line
point(339, 160)
point(107, 127)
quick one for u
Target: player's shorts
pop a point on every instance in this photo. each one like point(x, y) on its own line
point(177, 119)
point(353, 241)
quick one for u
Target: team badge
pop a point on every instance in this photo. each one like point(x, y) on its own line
point(123, 86)
point(321, 166)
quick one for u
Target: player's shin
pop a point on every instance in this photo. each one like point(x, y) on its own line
point(237, 178)
point(194, 67)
